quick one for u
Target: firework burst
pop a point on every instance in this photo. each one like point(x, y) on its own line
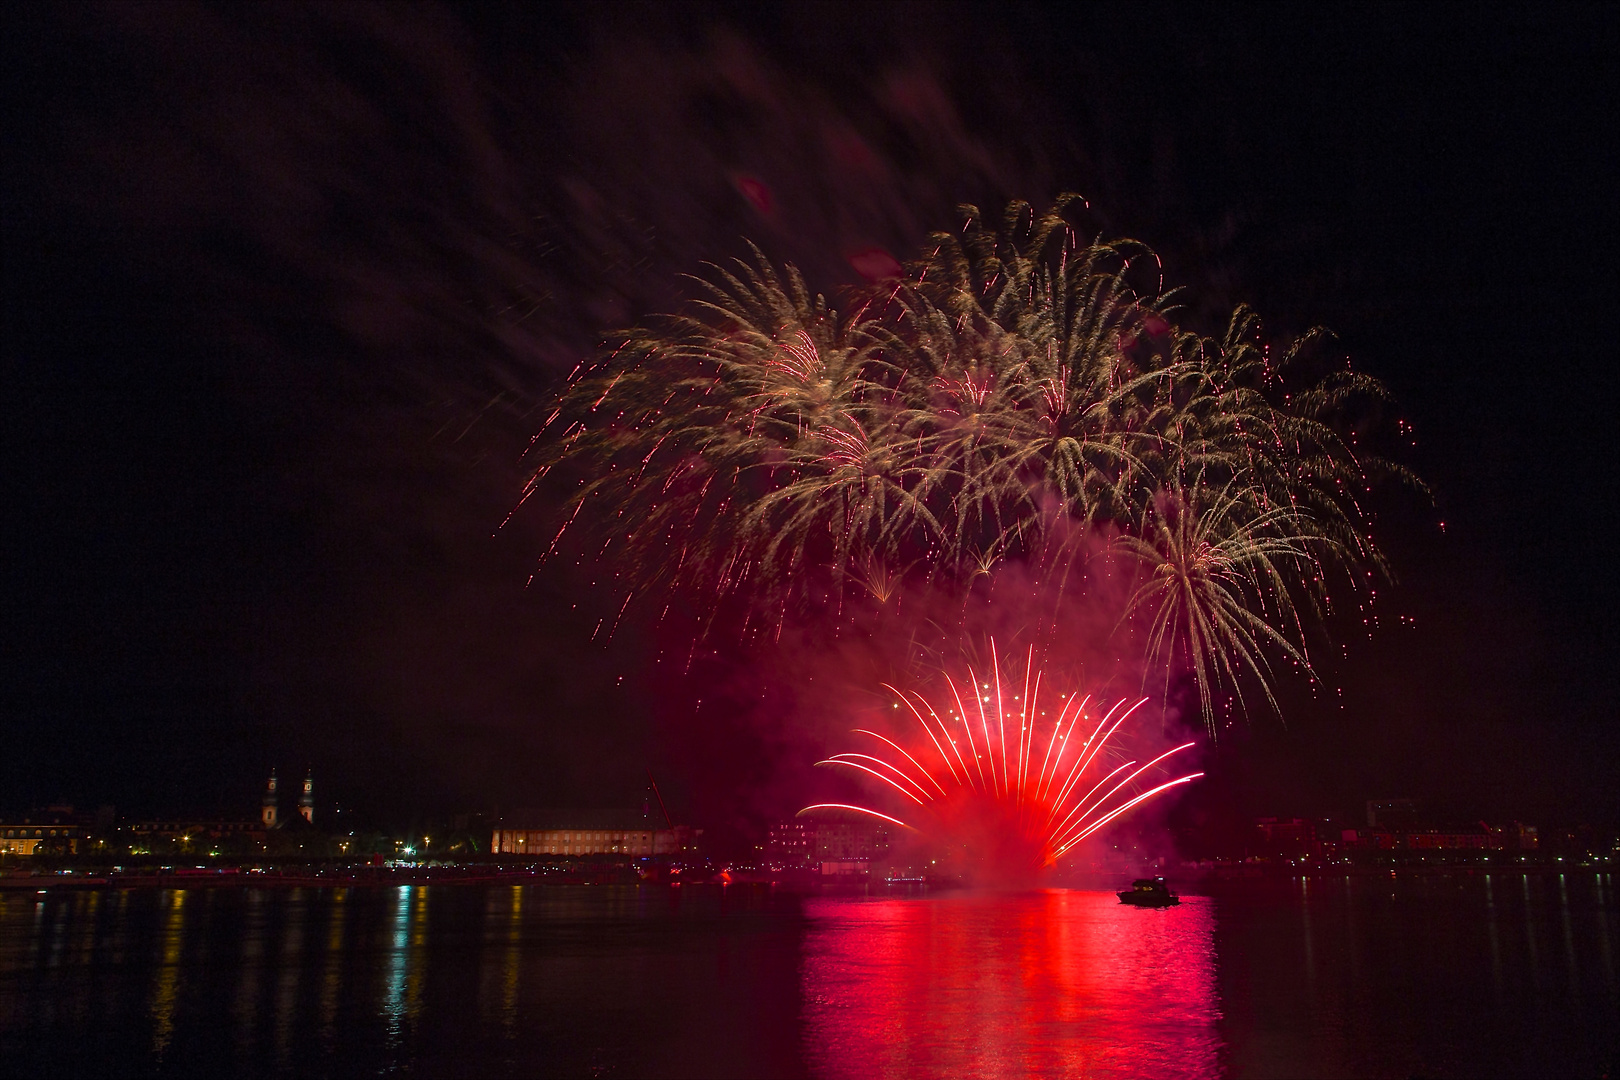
point(1018, 394)
point(998, 775)
point(724, 450)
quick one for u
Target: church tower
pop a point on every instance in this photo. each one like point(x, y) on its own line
point(267, 813)
point(306, 801)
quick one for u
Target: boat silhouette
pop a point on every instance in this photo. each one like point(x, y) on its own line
point(1149, 892)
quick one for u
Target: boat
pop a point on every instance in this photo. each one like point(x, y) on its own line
point(1149, 892)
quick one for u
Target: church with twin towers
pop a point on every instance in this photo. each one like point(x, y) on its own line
point(270, 811)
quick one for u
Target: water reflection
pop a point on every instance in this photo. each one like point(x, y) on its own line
point(1371, 977)
point(1052, 983)
point(1605, 950)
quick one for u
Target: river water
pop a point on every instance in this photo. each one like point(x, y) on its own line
point(1500, 975)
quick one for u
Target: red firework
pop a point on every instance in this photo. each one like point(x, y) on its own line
point(999, 780)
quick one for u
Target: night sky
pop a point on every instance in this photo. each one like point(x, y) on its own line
point(285, 288)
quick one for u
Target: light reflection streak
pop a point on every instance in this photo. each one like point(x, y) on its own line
point(61, 921)
point(1310, 943)
point(87, 938)
point(1350, 928)
point(332, 978)
point(1569, 939)
point(168, 975)
point(510, 963)
point(86, 909)
point(120, 938)
point(1496, 946)
point(291, 969)
point(247, 990)
point(415, 968)
point(496, 904)
point(393, 1009)
point(1530, 934)
point(39, 935)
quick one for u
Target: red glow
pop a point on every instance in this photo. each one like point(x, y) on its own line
point(1048, 983)
point(756, 191)
point(875, 264)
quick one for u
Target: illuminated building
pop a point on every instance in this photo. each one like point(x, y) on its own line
point(628, 833)
point(270, 809)
point(55, 830)
point(1479, 839)
point(845, 849)
point(837, 849)
point(791, 844)
point(25, 837)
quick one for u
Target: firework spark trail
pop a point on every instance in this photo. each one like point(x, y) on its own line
point(958, 778)
point(1046, 759)
point(849, 760)
point(914, 761)
point(1111, 815)
point(1077, 812)
point(1088, 752)
point(858, 810)
point(1018, 807)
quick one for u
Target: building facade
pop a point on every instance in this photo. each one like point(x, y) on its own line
point(32, 838)
point(626, 833)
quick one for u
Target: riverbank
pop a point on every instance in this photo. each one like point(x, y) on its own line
point(609, 872)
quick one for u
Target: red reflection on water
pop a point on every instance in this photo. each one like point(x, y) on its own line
point(1050, 983)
